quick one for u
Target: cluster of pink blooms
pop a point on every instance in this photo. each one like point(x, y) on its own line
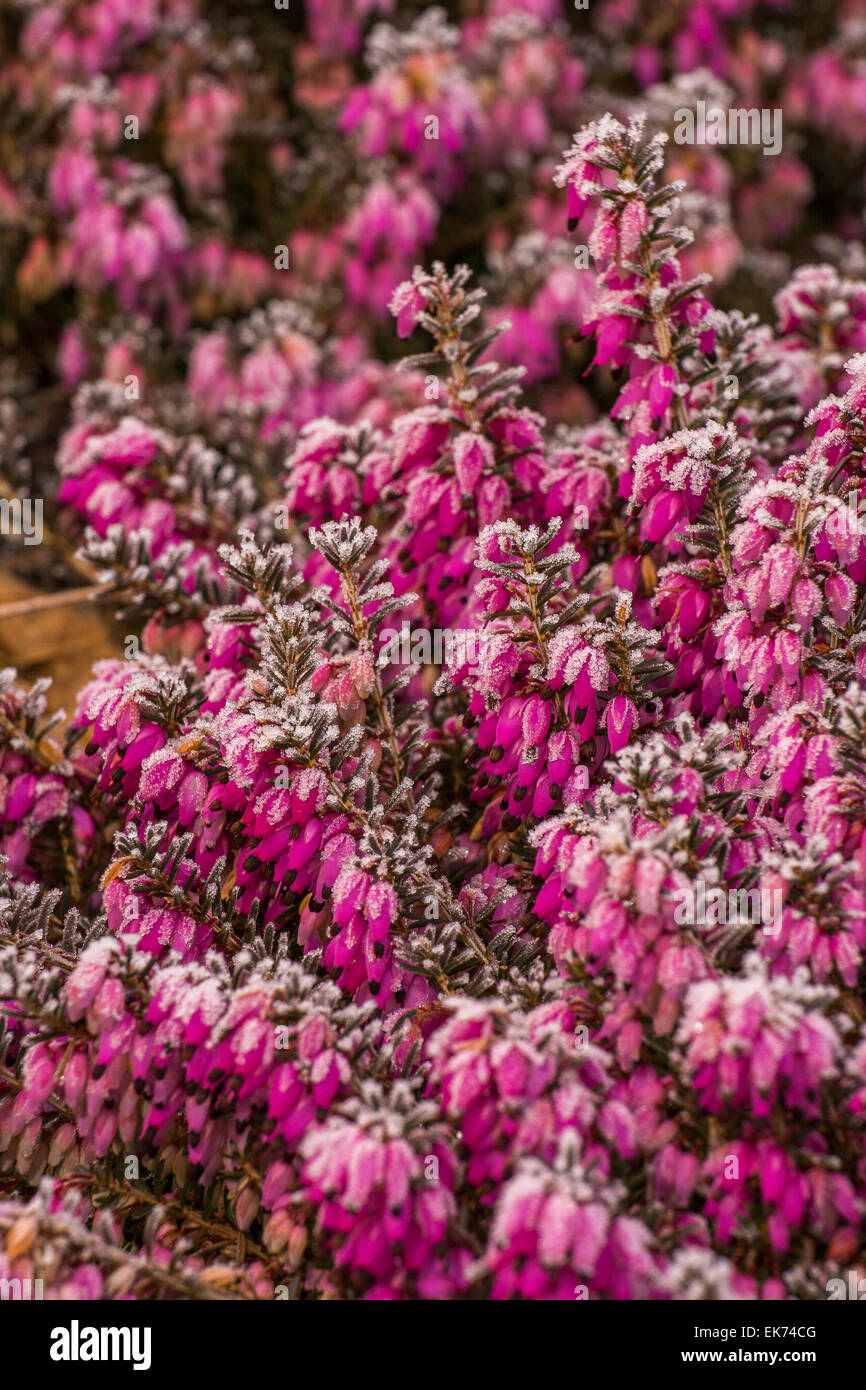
point(456, 888)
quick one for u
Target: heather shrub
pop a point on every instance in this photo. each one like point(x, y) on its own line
point(453, 883)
